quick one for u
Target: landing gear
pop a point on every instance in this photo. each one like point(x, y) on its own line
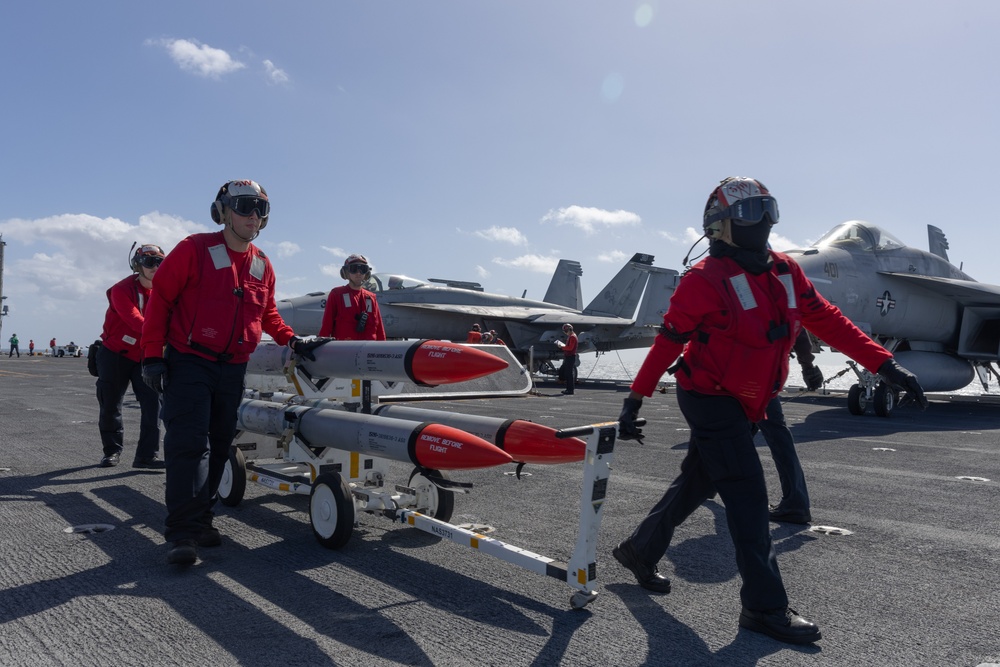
point(856, 400)
point(885, 400)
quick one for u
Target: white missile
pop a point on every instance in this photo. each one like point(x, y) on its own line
point(424, 444)
point(423, 362)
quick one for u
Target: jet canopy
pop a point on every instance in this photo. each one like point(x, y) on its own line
point(381, 282)
point(858, 235)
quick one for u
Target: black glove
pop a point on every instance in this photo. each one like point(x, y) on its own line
point(901, 379)
point(813, 377)
point(154, 373)
point(627, 430)
point(304, 348)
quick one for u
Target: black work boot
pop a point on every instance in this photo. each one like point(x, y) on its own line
point(646, 575)
point(785, 625)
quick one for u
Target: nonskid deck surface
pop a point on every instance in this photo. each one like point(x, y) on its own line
point(914, 582)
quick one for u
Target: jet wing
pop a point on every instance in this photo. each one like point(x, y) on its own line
point(964, 292)
point(542, 316)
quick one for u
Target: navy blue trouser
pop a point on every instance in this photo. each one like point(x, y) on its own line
point(794, 495)
point(200, 403)
point(721, 458)
point(114, 373)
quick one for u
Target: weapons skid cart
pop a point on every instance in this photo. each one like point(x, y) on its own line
point(341, 484)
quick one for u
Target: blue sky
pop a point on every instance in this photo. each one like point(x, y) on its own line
point(479, 141)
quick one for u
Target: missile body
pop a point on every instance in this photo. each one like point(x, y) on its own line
point(525, 441)
point(424, 444)
point(424, 362)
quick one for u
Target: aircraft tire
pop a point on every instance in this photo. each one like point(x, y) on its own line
point(331, 510)
point(233, 484)
point(856, 402)
point(884, 400)
point(441, 502)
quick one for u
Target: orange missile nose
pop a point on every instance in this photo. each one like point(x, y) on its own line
point(440, 362)
point(447, 448)
point(529, 442)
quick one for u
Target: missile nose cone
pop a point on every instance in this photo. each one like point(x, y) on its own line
point(447, 448)
point(440, 362)
point(529, 442)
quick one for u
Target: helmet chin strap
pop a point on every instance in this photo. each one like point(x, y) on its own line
point(232, 228)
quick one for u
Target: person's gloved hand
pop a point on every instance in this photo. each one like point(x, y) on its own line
point(813, 377)
point(304, 348)
point(903, 380)
point(627, 430)
point(154, 373)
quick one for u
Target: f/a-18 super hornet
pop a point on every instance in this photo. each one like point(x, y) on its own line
point(937, 321)
point(625, 314)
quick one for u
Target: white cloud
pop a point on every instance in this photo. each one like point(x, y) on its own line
point(503, 234)
point(58, 268)
point(288, 249)
point(203, 60)
point(336, 252)
point(274, 74)
point(588, 218)
point(535, 263)
point(615, 256)
point(482, 272)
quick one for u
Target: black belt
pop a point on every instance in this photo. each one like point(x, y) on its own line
point(220, 356)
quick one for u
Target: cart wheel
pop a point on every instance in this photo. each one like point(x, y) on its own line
point(856, 401)
point(884, 400)
point(581, 599)
point(437, 502)
point(331, 510)
point(234, 478)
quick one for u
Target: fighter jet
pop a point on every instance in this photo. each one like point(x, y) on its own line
point(937, 321)
point(446, 309)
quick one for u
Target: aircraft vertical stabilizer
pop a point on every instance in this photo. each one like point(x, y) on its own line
point(938, 242)
point(564, 288)
point(656, 298)
point(621, 296)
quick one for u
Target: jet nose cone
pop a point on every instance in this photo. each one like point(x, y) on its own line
point(447, 448)
point(440, 362)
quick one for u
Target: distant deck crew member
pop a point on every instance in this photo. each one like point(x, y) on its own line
point(352, 311)
point(475, 335)
point(568, 368)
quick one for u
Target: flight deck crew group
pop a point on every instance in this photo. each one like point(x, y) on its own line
point(727, 334)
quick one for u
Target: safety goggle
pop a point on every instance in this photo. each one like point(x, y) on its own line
point(246, 205)
point(359, 268)
point(150, 262)
point(748, 211)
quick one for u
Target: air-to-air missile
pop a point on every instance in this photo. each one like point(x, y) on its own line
point(428, 445)
point(525, 441)
point(423, 362)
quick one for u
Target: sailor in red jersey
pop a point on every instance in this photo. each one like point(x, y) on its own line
point(568, 369)
point(118, 359)
point(475, 334)
point(352, 311)
point(735, 316)
point(214, 298)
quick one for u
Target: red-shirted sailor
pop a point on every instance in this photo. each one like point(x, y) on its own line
point(214, 298)
point(735, 316)
point(118, 365)
point(352, 311)
point(568, 369)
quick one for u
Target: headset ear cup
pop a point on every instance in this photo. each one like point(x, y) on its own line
point(216, 212)
point(343, 273)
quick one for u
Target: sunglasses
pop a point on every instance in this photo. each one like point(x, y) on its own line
point(150, 262)
point(748, 211)
point(246, 205)
point(359, 268)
